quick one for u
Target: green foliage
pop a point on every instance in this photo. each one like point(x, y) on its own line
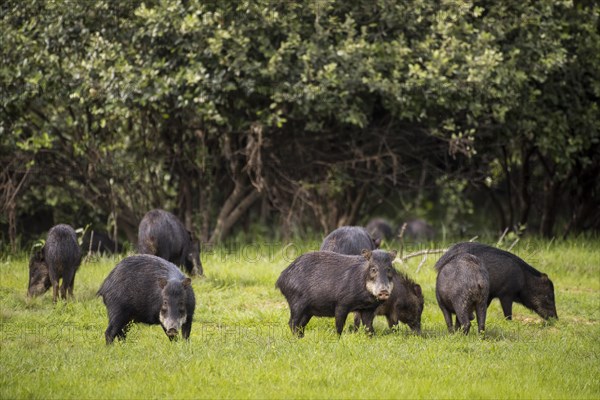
point(240, 339)
point(137, 105)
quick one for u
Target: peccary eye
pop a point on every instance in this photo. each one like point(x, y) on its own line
point(373, 270)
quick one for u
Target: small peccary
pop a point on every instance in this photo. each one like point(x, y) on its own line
point(380, 229)
point(327, 284)
point(147, 289)
point(62, 255)
point(462, 288)
point(404, 305)
point(162, 234)
point(39, 276)
point(350, 240)
point(418, 230)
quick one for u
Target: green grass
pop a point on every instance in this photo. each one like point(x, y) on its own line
point(241, 346)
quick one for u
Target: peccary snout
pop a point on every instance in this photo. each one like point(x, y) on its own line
point(172, 332)
point(383, 295)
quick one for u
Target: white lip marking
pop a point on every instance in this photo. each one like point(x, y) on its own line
point(376, 288)
point(170, 323)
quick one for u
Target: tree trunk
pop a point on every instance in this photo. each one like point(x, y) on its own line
point(498, 206)
point(235, 206)
point(506, 167)
point(525, 197)
point(205, 202)
point(185, 201)
point(551, 195)
point(350, 218)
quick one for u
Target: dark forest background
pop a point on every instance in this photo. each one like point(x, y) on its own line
point(280, 118)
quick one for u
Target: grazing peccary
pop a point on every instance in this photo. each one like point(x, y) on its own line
point(62, 255)
point(418, 229)
point(39, 277)
point(350, 240)
point(511, 279)
point(162, 234)
point(147, 289)
point(327, 284)
point(405, 304)
point(462, 287)
point(380, 229)
point(99, 242)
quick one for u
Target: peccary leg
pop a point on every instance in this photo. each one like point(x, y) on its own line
point(481, 311)
point(462, 320)
point(341, 313)
point(67, 284)
point(54, 280)
point(298, 321)
point(54, 291)
point(506, 303)
point(367, 320)
point(391, 322)
point(357, 319)
point(186, 329)
point(447, 317)
point(117, 327)
point(71, 285)
point(63, 290)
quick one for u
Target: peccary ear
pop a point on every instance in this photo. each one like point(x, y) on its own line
point(162, 282)
point(417, 288)
point(544, 277)
point(377, 242)
point(186, 282)
point(366, 254)
point(393, 254)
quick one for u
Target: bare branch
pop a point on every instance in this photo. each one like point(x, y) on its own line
point(502, 237)
point(421, 263)
point(419, 253)
point(513, 244)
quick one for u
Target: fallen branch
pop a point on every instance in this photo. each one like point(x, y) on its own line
point(421, 263)
point(401, 237)
point(502, 237)
point(513, 245)
point(423, 253)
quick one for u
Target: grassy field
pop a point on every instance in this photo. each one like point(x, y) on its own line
point(241, 347)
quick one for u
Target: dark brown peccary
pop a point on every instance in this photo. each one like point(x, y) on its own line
point(62, 255)
point(511, 279)
point(380, 229)
point(150, 290)
point(404, 305)
point(39, 276)
point(162, 234)
point(418, 230)
point(349, 240)
point(462, 287)
point(327, 284)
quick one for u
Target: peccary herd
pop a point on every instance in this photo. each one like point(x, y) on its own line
point(349, 274)
point(147, 288)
